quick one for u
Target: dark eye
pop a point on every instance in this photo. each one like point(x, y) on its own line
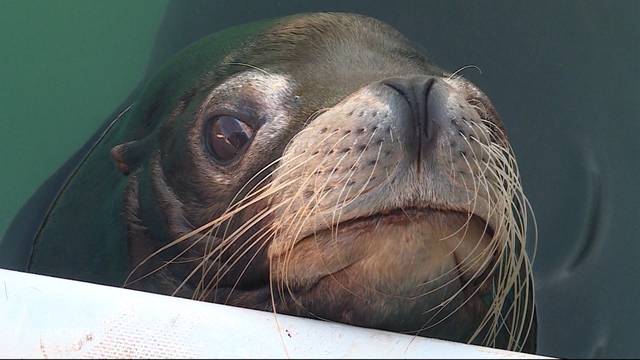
point(227, 137)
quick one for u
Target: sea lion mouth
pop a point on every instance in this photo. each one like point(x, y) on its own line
point(438, 226)
point(421, 241)
point(398, 216)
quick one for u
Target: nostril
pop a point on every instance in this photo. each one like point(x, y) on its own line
point(438, 110)
point(416, 91)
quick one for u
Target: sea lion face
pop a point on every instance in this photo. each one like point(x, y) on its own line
point(328, 169)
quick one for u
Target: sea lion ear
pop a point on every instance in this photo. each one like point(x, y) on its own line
point(127, 156)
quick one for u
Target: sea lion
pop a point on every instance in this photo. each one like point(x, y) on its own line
point(316, 165)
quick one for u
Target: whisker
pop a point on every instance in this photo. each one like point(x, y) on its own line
point(249, 66)
point(463, 68)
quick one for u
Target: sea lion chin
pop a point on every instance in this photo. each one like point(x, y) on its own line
point(323, 167)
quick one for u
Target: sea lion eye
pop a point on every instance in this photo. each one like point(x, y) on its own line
point(227, 137)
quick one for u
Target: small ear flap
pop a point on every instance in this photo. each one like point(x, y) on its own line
point(127, 156)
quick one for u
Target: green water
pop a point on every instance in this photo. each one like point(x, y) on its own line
point(64, 67)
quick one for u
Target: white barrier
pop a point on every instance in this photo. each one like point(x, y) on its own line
point(45, 317)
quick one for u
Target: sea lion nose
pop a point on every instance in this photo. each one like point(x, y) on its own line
point(427, 98)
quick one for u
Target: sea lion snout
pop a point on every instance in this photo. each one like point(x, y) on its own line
point(401, 142)
point(430, 113)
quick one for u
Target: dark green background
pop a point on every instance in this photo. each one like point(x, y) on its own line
point(64, 66)
point(563, 75)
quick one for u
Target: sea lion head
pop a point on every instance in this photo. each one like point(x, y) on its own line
point(326, 168)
